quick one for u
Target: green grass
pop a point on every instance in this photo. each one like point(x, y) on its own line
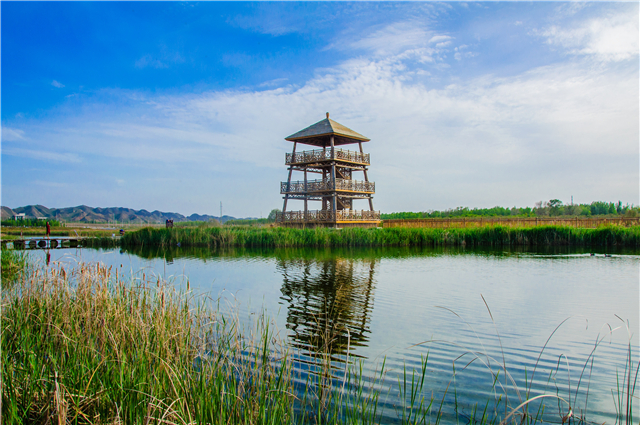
point(354, 237)
point(14, 264)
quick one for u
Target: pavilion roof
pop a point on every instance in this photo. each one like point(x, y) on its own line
point(320, 133)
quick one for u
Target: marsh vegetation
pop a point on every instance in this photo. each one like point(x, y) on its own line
point(323, 237)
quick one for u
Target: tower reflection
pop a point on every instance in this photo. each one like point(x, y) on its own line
point(329, 303)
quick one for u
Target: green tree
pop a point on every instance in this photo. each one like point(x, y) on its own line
point(272, 215)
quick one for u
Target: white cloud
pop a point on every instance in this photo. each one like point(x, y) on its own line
point(41, 155)
point(274, 83)
point(57, 84)
point(396, 38)
point(608, 38)
point(12, 134)
point(440, 39)
point(461, 52)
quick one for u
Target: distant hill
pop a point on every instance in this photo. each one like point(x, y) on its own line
point(83, 213)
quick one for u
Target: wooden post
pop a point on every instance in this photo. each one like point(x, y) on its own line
point(306, 195)
point(366, 177)
point(334, 206)
point(286, 196)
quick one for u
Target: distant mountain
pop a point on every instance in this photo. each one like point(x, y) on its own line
point(83, 213)
point(34, 211)
point(7, 213)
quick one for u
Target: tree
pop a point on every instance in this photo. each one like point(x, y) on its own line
point(555, 207)
point(272, 214)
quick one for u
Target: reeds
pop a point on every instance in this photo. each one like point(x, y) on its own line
point(493, 236)
point(14, 264)
point(84, 346)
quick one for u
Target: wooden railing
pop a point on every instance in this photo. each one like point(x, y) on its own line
point(326, 216)
point(319, 155)
point(327, 185)
point(512, 222)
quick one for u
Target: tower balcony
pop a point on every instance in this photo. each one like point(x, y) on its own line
point(322, 155)
point(327, 216)
point(322, 185)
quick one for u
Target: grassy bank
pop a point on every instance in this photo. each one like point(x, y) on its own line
point(322, 237)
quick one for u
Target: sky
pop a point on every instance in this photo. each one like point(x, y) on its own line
point(179, 107)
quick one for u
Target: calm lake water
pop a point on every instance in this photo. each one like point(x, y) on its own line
point(399, 305)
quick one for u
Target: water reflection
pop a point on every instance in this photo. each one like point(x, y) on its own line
point(171, 254)
point(329, 302)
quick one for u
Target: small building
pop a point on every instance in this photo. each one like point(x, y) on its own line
point(20, 216)
point(335, 188)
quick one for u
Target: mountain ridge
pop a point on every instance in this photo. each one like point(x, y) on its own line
point(84, 213)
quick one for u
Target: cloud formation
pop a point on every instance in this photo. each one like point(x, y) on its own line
point(41, 155)
point(12, 134)
point(608, 38)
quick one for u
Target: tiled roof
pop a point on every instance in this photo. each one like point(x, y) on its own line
point(319, 133)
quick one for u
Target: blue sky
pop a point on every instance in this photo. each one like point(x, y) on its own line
point(181, 106)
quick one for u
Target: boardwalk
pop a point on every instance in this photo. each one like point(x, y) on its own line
point(43, 243)
point(512, 222)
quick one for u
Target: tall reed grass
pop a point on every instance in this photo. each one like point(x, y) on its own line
point(351, 237)
point(85, 346)
point(14, 263)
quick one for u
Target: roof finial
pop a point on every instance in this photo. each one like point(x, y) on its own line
point(327, 115)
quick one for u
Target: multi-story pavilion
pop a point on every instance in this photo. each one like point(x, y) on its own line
point(336, 189)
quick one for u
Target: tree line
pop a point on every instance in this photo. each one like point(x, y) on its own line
point(551, 208)
point(30, 222)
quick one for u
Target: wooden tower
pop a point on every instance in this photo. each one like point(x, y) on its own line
point(336, 189)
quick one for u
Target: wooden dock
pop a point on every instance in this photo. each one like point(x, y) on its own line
point(43, 243)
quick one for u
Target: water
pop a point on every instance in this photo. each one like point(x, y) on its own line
point(474, 310)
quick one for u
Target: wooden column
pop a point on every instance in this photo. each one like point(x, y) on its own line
point(286, 196)
point(366, 178)
point(306, 194)
point(334, 206)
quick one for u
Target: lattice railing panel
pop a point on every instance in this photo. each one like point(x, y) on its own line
point(300, 186)
point(320, 155)
point(328, 216)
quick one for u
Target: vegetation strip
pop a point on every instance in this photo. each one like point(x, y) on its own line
point(322, 237)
